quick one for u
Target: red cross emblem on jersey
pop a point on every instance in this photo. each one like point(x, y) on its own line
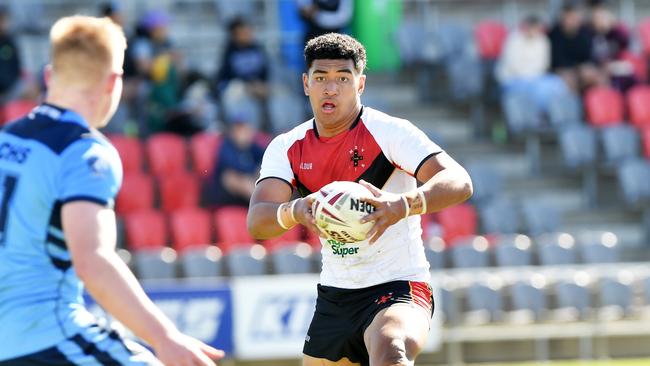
point(384, 299)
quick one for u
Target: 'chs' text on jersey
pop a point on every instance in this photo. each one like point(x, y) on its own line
point(13, 153)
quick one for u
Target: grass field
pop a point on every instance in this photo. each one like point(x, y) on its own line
point(644, 362)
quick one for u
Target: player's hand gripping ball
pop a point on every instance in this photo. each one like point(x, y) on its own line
point(338, 208)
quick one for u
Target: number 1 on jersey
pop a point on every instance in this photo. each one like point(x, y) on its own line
point(8, 188)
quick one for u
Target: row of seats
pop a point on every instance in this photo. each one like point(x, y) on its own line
point(15, 109)
point(552, 248)
point(541, 298)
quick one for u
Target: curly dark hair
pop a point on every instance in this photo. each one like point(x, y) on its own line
point(335, 46)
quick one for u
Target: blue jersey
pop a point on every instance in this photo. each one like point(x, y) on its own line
point(47, 159)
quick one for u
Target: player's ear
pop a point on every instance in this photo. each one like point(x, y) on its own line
point(305, 83)
point(47, 75)
point(362, 84)
point(112, 82)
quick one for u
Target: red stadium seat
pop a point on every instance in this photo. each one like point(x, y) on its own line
point(166, 153)
point(645, 141)
point(204, 149)
point(638, 105)
point(644, 36)
point(290, 237)
point(457, 222)
point(490, 37)
point(190, 228)
point(16, 109)
point(137, 193)
point(604, 106)
point(130, 150)
point(145, 230)
point(232, 231)
point(263, 139)
point(178, 191)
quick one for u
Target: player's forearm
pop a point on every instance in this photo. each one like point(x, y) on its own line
point(114, 287)
point(447, 188)
point(263, 221)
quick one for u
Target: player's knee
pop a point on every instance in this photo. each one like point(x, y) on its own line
point(392, 352)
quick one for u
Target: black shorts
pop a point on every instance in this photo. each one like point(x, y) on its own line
point(342, 316)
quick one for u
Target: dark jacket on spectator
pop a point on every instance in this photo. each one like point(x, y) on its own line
point(245, 63)
point(9, 63)
point(569, 50)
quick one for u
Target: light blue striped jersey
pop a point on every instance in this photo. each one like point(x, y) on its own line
point(47, 159)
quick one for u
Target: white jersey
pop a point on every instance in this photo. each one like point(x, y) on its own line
point(380, 149)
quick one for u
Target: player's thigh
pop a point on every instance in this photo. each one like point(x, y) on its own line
point(397, 334)
point(312, 361)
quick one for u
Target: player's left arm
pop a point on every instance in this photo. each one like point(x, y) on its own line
point(444, 183)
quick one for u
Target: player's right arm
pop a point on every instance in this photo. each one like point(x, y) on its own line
point(90, 234)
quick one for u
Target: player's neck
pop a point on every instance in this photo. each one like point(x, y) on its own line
point(74, 100)
point(342, 126)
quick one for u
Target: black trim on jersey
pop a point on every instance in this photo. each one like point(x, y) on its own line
point(302, 189)
point(56, 241)
point(90, 348)
point(284, 180)
point(60, 264)
point(378, 172)
point(56, 135)
point(99, 201)
point(49, 356)
point(55, 216)
point(415, 174)
point(353, 125)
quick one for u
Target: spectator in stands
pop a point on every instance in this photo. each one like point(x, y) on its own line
point(10, 66)
point(238, 164)
point(113, 11)
point(245, 65)
point(156, 59)
point(571, 45)
point(524, 64)
point(325, 16)
point(609, 44)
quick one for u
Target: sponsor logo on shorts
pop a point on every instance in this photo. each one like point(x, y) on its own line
point(384, 299)
point(341, 249)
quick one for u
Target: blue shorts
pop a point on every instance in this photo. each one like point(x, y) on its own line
point(93, 346)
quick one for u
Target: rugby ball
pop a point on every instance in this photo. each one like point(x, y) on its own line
point(338, 208)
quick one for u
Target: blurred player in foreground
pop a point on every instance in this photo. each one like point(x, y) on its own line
point(58, 178)
point(374, 301)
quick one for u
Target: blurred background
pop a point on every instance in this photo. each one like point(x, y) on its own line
point(546, 103)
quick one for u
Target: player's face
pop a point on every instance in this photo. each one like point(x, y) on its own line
point(334, 88)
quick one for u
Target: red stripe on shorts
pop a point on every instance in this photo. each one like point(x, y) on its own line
point(421, 294)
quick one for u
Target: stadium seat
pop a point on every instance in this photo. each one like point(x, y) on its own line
point(449, 299)
point(520, 112)
point(556, 248)
point(179, 190)
point(620, 143)
point(130, 150)
point(578, 144)
point(155, 263)
point(16, 109)
point(457, 222)
point(638, 105)
point(166, 154)
point(540, 216)
point(500, 216)
point(145, 229)
point(291, 236)
point(573, 299)
point(285, 112)
point(137, 193)
point(604, 106)
point(644, 36)
point(246, 260)
point(564, 109)
point(487, 183)
point(645, 141)
point(291, 258)
point(598, 247)
point(190, 228)
point(201, 261)
point(633, 178)
point(484, 303)
point(615, 298)
point(470, 252)
point(490, 37)
point(528, 300)
point(204, 150)
point(434, 250)
point(513, 250)
point(230, 223)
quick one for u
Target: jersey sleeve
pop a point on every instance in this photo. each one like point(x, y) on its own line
point(275, 162)
point(410, 147)
point(91, 172)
